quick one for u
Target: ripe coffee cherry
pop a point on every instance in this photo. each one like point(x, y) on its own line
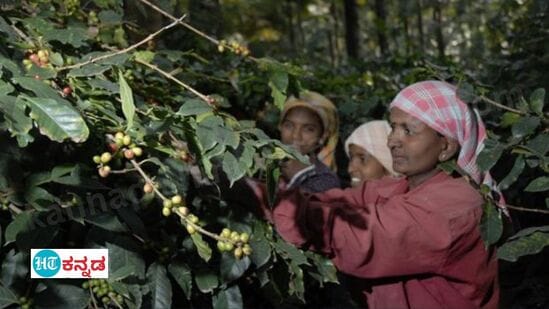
point(104, 171)
point(34, 58)
point(129, 154)
point(67, 91)
point(148, 188)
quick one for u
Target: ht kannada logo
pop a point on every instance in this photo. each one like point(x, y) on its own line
point(46, 263)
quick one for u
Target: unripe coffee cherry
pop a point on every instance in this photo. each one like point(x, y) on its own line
point(166, 212)
point(137, 151)
point(97, 159)
point(177, 199)
point(148, 188)
point(105, 157)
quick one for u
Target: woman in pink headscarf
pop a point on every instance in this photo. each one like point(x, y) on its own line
point(414, 241)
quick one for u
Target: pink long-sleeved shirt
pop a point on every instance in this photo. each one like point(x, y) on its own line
point(418, 248)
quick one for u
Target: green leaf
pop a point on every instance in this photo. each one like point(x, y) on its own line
point(513, 175)
point(261, 250)
point(489, 155)
point(124, 263)
point(231, 269)
point(126, 95)
point(5, 88)
point(539, 144)
point(324, 266)
point(183, 276)
point(15, 267)
point(537, 100)
point(160, 286)
point(202, 247)
point(10, 66)
point(75, 36)
point(21, 223)
point(206, 280)
point(18, 123)
point(231, 167)
point(40, 89)
point(538, 185)
point(278, 81)
point(466, 92)
point(7, 297)
point(193, 107)
point(273, 175)
point(226, 137)
point(296, 286)
point(289, 251)
point(58, 121)
point(526, 245)
point(107, 221)
point(144, 56)
point(229, 298)
point(62, 296)
point(88, 70)
point(508, 119)
point(491, 226)
point(525, 126)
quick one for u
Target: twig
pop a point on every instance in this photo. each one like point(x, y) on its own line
point(169, 76)
point(116, 302)
point(93, 298)
point(22, 34)
point(15, 209)
point(488, 100)
point(527, 209)
point(125, 50)
point(193, 29)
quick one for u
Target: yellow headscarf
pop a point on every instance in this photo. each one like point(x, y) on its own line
point(327, 113)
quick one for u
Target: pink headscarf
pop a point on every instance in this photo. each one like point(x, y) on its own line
point(436, 104)
point(372, 137)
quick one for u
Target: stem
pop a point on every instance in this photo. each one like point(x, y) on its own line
point(193, 29)
point(169, 76)
point(123, 51)
point(527, 209)
point(117, 304)
point(92, 297)
point(488, 100)
point(15, 209)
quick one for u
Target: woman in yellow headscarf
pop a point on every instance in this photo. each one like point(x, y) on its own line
point(310, 124)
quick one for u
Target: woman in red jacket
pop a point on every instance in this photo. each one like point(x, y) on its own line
point(415, 241)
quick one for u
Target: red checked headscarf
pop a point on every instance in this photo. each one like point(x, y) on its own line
point(436, 104)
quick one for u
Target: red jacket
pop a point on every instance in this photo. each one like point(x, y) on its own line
point(415, 249)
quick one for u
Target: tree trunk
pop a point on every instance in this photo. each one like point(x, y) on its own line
point(289, 11)
point(380, 26)
point(351, 29)
point(300, 23)
point(420, 26)
point(437, 19)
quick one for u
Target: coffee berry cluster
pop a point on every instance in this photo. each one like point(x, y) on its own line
point(235, 242)
point(103, 291)
point(121, 146)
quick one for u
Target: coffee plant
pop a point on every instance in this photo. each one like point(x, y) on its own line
point(109, 141)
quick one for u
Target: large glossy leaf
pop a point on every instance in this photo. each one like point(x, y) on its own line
point(490, 154)
point(15, 267)
point(58, 121)
point(10, 66)
point(537, 100)
point(107, 221)
point(513, 175)
point(124, 263)
point(62, 296)
point(491, 226)
point(193, 107)
point(290, 252)
point(229, 298)
point(231, 269)
point(21, 223)
point(7, 297)
point(40, 89)
point(538, 185)
point(18, 123)
point(530, 244)
point(296, 286)
point(232, 168)
point(202, 247)
point(183, 276)
point(226, 136)
point(88, 70)
point(525, 126)
point(206, 280)
point(278, 81)
point(126, 95)
point(160, 286)
point(539, 144)
point(75, 36)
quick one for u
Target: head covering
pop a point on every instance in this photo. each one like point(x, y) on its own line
point(372, 136)
point(436, 104)
point(327, 113)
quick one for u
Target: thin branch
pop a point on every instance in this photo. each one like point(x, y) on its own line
point(92, 297)
point(488, 100)
point(193, 29)
point(543, 211)
point(15, 209)
point(182, 84)
point(22, 34)
point(125, 50)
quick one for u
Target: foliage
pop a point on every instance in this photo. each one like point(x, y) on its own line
point(105, 147)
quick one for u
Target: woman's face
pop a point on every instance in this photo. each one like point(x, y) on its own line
point(301, 128)
point(415, 147)
point(363, 166)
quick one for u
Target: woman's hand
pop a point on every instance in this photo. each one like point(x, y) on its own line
point(290, 167)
